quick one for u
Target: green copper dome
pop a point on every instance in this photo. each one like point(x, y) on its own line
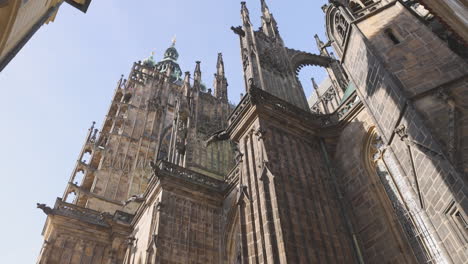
point(170, 62)
point(171, 53)
point(203, 87)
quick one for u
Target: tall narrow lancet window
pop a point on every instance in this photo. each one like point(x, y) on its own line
point(381, 163)
point(341, 27)
point(78, 177)
point(86, 158)
point(70, 197)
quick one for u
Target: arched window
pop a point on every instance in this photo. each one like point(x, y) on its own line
point(382, 164)
point(70, 197)
point(341, 27)
point(86, 157)
point(78, 177)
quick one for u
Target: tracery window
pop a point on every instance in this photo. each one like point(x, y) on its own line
point(341, 27)
point(411, 218)
point(70, 197)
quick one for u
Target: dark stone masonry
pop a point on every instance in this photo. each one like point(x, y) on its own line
point(373, 169)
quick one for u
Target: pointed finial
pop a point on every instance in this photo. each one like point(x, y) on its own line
point(187, 84)
point(314, 84)
point(152, 53)
point(245, 14)
point(319, 43)
point(197, 72)
point(220, 64)
point(187, 78)
point(174, 40)
point(197, 66)
point(263, 5)
point(316, 88)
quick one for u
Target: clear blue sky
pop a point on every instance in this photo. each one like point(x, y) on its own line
point(64, 78)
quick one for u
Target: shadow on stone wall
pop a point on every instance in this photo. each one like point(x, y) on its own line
point(385, 91)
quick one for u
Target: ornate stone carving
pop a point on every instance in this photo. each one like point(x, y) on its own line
point(130, 240)
point(83, 214)
point(401, 132)
point(153, 104)
point(135, 198)
point(316, 108)
point(271, 58)
point(346, 107)
point(243, 194)
point(123, 217)
point(176, 171)
point(329, 95)
point(238, 30)
point(181, 136)
point(260, 133)
point(46, 209)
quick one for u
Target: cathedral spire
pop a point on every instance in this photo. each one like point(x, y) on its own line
point(197, 76)
point(220, 65)
point(169, 63)
point(319, 43)
point(245, 15)
point(265, 9)
point(269, 25)
point(186, 89)
point(197, 72)
point(220, 82)
point(321, 46)
point(314, 84)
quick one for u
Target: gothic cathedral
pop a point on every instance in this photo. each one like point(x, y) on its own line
point(371, 169)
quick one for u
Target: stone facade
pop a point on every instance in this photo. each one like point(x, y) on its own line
point(372, 171)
